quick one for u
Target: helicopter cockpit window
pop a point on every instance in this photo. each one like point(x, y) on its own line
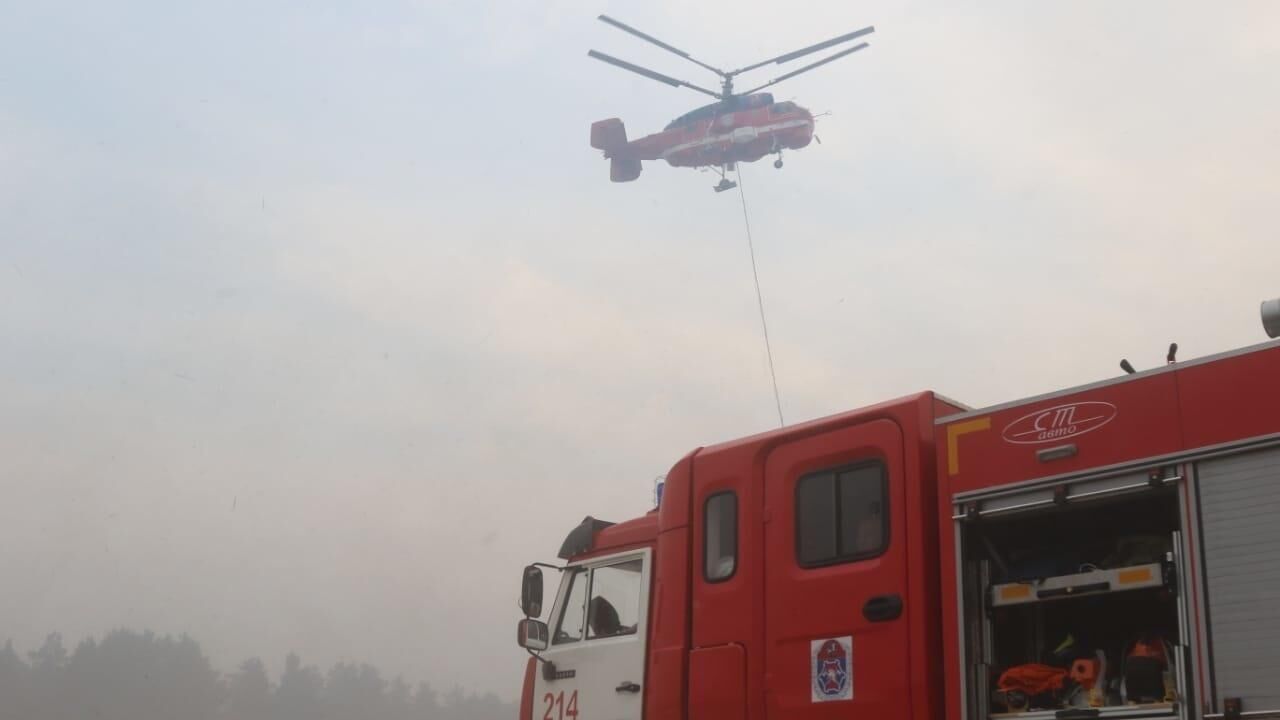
point(693, 116)
point(783, 108)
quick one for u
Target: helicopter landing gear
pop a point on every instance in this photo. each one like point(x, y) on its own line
point(725, 183)
point(778, 163)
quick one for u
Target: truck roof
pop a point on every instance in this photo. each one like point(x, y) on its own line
point(943, 406)
point(594, 538)
point(1106, 382)
point(627, 534)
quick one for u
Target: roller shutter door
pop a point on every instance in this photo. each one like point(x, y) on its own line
point(1240, 511)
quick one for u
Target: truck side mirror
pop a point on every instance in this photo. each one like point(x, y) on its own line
point(532, 634)
point(531, 591)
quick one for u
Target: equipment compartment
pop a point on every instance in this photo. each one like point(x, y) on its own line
point(1074, 610)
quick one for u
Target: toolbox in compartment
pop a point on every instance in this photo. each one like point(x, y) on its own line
point(1074, 610)
point(1089, 582)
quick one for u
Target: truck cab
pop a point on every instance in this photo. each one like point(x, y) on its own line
point(768, 558)
point(593, 650)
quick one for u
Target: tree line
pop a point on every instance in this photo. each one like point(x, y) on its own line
point(130, 675)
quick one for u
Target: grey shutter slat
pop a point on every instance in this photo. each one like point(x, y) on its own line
point(1240, 512)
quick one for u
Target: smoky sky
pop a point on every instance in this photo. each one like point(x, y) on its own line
point(317, 321)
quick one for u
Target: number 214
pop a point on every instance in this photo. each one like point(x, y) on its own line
point(556, 703)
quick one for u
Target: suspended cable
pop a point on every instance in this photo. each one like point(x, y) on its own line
point(755, 275)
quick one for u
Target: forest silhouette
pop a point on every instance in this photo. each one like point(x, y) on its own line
point(131, 675)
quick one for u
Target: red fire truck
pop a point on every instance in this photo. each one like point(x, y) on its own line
point(1107, 551)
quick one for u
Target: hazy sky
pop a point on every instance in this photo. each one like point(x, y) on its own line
point(318, 320)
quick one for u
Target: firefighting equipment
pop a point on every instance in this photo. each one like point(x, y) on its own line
point(1033, 679)
point(1146, 667)
point(1091, 675)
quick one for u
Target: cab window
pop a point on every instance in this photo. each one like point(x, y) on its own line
point(783, 108)
point(720, 541)
point(573, 612)
point(842, 515)
point(614, 608)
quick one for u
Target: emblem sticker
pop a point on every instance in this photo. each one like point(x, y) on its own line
point(831, 669)
point(1059, 422)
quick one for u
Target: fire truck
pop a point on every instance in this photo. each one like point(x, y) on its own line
point(1106, 551)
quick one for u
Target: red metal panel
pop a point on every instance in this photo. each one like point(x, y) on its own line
point(811, 605)
point(674, 512)
point(1231, 399)
point(665, 676)
point(717, 683)
point(924, 609)
point(729, 612)
point(943, 408)
point(526, 692)
point(664, 694)
point(1109, 424)
point(723, 611)
point(950, 603)
point(732, 612)
point(636, 532)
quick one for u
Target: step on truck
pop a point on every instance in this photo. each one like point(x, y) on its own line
point(1107, 551)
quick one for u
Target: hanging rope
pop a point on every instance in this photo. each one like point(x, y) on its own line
point(768, 350)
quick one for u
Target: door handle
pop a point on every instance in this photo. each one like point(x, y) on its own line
point(628, 686)
point(883, 608)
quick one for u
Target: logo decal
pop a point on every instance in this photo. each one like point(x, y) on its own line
point(831, 669)
point(1059, 422)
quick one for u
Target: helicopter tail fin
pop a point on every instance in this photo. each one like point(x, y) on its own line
point(611, 137)
point(608, 135)
point(624, 169)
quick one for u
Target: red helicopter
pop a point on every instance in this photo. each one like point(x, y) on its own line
point(738, 127)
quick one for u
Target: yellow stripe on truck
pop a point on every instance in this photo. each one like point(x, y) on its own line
point(953, 439)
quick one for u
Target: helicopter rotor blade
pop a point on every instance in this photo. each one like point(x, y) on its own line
point(645, 72)
point(649, 38)
point(806, 51)
point(809, 67)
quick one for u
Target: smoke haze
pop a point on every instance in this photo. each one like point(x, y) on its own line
point(318, 321)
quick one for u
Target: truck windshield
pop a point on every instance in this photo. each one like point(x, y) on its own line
point(573, 611)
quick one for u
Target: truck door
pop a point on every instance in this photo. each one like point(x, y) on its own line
point(598, 631)
point(835, 576)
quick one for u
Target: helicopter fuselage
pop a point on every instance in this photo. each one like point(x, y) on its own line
point(718, 135)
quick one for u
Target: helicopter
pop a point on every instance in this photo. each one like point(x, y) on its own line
point(739, 127)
